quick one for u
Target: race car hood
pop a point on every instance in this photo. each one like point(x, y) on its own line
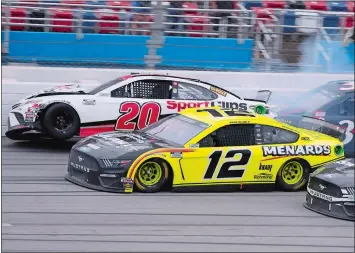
point(57, 90)
point(119, 145)
point(340, 173)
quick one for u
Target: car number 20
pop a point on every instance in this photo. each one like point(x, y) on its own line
point(135, 116)
point(349, 130)
point(225, 170)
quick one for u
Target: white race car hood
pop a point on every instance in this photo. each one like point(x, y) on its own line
point(57, 90)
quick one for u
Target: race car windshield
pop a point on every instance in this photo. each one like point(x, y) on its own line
point(176, 129)
point(107, 85)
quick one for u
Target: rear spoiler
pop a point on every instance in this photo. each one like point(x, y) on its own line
point(263, 96)
point(323, 127)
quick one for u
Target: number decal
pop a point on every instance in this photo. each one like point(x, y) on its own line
point(349, 130)
point(135, 117)
point(225, 171)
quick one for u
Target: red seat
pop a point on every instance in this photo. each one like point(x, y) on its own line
point(316, 5)
point(351, 6)
point(119, 5)
point(106, 27)
point(188, 8)
point(274, 4)
point(349, 22)
point(62, 25)
point(196, 25)
point(20, 15)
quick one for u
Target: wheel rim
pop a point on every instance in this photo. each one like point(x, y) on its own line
point(62, 121)
point(292, 172)
point(150, 173)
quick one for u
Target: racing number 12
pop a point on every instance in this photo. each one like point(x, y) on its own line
point(224, 171)
point(133, 116)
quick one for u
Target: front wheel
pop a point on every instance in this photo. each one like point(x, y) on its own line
point(152, 175)
point(293, 175)
point(61, 121)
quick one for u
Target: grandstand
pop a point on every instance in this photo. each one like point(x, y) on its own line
point(271, 35)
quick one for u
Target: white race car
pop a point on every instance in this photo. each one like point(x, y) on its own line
point(126, 103)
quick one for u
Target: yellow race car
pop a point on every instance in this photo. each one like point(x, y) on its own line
point(206, 149)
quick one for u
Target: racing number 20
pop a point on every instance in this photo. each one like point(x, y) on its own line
point(225, 171)
point(133, 116)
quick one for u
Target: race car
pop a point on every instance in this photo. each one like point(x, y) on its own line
point(205, 149)
point(333, 102)
point(127, 103)
point(330, 190)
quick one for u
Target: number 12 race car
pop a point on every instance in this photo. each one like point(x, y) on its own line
point(205, 149)
point(126, 103)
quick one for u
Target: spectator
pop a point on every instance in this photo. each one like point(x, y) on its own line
point(222, 16)
point(140, 15)
point(175, 20)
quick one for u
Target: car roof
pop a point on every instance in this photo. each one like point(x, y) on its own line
point(214, 115)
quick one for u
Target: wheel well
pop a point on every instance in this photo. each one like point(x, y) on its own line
point(43, 111)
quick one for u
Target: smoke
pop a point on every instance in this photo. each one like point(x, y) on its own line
point(314, 55)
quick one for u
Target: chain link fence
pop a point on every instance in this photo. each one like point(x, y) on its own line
point(277, 36)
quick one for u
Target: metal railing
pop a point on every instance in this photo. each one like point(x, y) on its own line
point(268, 33)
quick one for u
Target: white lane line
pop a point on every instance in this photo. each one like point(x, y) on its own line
point(6, 225)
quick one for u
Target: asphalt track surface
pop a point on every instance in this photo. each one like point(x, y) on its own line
point(43, 212)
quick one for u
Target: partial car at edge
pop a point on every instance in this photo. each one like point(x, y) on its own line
point(330, 190)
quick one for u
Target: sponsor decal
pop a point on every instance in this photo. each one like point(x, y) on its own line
point(176, 154)
point(80, 167)
point(288, 150)
point(194, 145)
point(127, 180)
point(180, 105)
point(266, 167)
point(89, 102)
point(239, 122)
point(218, 91)
point(305, 138)
point(320, 195)
point(263, 176)
point(127, 184)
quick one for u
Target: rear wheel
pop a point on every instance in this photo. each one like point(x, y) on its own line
point(61, 121)
point(152, 175)
point(293, 175)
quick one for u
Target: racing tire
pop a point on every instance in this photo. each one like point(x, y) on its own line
point(151, 176)
point(293, 175)
point(61, 121)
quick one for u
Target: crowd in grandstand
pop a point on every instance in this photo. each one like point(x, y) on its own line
point(134, 17)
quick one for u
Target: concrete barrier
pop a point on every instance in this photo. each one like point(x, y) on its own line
point(19, 81)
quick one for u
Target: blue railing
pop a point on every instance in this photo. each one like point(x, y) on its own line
point(112, 50)
point(128, 50)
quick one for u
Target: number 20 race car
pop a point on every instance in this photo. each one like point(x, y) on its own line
point(126, 103)
point(205, 149)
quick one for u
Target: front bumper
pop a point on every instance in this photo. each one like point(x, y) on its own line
point(20, 129)
point(341, 210)
point(88, 174)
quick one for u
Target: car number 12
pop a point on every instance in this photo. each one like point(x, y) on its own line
point(225, 170)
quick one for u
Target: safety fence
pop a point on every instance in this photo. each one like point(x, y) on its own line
point(204, 35)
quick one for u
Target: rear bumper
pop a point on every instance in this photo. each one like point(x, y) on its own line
point(340, 210)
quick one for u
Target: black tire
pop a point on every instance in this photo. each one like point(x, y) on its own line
point(141, 184)
point(293, 175)
point(51, 123)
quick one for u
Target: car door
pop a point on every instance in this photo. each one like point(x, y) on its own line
point(226, 156)
point(342, 113)
point(139, 103)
